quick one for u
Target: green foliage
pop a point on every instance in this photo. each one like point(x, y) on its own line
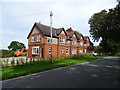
point(14, 45)
point(7, 53)
point(106, 25)
point(81, 56)
point(98, 49)
point(118, 54)
point(5, 62)
point(13, 62)
point(17, 62)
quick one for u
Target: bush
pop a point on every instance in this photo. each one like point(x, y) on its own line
point(7, 53)
point(81, 55)
point(118, 54)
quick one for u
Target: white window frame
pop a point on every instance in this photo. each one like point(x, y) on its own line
point(67, 50)
point(73, 51)
point(50, 50)
point(36, 48)
point(80, 51)
point(33, 39)
point(74, 41)
point(68, 42)
point(85, 51)
point(81, 43)
point(38, 38)
point(62, 40)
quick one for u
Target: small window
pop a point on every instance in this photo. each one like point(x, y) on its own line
point(62, 40)
point(68, 42)
point(67, 50)
point(62, 51)
point(38, 38)
point(35, 50)
point(48, 40)
point(87, 44)
point(81, 43)
point(74, 42)
point(73, 51)
point(33, 39)
point(80, 51)
point(50, 50)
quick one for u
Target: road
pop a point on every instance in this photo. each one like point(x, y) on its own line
point(101, 73)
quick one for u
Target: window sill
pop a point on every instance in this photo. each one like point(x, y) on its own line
point(35, 54)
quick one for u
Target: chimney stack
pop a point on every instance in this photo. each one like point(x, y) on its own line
point(69, 30)
point(39, 22)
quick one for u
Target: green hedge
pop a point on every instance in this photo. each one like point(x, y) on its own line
point(6, 53)
point(118, 54)
point(81, 55)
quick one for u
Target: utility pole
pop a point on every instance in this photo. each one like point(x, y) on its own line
point(51, 14)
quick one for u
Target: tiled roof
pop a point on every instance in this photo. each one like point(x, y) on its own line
point(85, 37)
point(70, 34)
point(79, 36)
point(56, 31)
point(46, 30)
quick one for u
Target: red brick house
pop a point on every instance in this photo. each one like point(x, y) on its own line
point(86, 44)
point(64, 43)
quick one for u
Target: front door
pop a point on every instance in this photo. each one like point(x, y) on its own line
point(41, 52)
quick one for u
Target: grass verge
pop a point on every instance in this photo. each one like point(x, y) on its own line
point(38, 66)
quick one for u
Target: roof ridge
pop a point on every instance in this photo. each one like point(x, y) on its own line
point(49, 26)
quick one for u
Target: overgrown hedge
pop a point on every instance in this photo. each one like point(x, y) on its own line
point(6, 53)
point(118, 54)
point(82, 55)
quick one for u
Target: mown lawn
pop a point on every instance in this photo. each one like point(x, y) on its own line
point(38, 66)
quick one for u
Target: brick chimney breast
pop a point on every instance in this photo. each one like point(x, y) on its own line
point(69, 30)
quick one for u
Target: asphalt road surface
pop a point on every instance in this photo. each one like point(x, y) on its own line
point(101, 73)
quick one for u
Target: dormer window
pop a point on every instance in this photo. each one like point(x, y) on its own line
point(74, 42)
point(62, 40)
point(33, 39)
point(38, 38)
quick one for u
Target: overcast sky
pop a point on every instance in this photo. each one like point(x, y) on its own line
point(18, 16)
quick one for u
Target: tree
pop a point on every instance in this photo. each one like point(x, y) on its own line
point(14, 45)
point(106, 25)
point(98, 49)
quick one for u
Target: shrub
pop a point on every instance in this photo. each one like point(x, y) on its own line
point(13, 62)
point(118, 54)
point(7, 53)
point(26, 61)
point(17, 62)
point(81, 55)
